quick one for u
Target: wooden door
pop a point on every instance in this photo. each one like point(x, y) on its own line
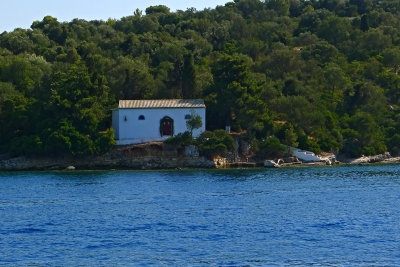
point(166, 126)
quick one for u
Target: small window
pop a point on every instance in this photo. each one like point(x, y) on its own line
point(188, 117)
point(141, 117)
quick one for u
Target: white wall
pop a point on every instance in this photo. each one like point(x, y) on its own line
point(149, 129)
point(115, 122)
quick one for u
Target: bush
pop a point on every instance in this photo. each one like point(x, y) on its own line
point(215, 143)
point(57, 144)
point(183, 139)
point(26, 145)
point(271, 148)
point(374, 149)
point(67, 140)
point(81, 144)
point(104, 142)
point(225, 138)
point(329, 143)
point(307, 144)
point(394, 144)
point(352, 148)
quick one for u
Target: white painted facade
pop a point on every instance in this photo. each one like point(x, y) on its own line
point(143, 124)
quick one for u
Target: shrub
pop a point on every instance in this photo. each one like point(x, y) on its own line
point(215, 143)
point(374, 149)
point(271, 148)
point(225, 138)
point(307, 144)
point(352, 148)
point(57, 143)
point(394, 144)
point(183, 139)
point(67, 140)
point(26, 145)
point(104, 142)
point(329, 143)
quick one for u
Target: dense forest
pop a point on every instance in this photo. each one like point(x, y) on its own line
point(320, 75)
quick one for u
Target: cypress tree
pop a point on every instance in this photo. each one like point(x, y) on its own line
point(188, 77)
point(364, 25)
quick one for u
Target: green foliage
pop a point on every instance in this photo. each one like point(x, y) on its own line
point(66, 139)
point(364, 25)
point(195, 122)
point(215, 143)
point(157, 9)
point(26, 145)
point(329, 143)
point(306, 144)
point(327, 68)
point(188, 77)
point(57, 143)
point(364, 136)
point(271, 148)
point(234, 98)
point(391, 58)
point(321, 51)
point(290, 137)
point(394, 145)
point(183, 139)
point(104, 142)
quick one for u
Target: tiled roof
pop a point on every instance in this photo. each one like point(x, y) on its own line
point(163, 103)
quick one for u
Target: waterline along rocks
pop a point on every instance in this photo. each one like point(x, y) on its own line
point(145, 156)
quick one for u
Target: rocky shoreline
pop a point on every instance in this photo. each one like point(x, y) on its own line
point(381, 158)
point(154, 156)
point(135, 157)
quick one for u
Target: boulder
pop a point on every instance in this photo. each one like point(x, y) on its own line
point(380, 157)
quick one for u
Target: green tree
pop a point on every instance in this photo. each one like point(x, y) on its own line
point(334, 29)
point(188, 77)
point(73, 97)
point(271, 147)
point(234, 98)
point(391, 58)
point(336, 83)
point(281, 7)
point(363, 6)
point(328, 68)
point(104, 142)
point(290, 137)
point(157, 9)
point(215, 143)
point(195, 122)
point(321, 51)
point(364, 25)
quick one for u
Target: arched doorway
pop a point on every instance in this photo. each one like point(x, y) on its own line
point(167, 126)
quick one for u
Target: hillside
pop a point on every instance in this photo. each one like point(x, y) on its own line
point(320, 75)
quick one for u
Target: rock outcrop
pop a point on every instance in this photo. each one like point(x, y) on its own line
point(367, 159)
point(143, 156)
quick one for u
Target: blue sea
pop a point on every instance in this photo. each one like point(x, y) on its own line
point(322, 216)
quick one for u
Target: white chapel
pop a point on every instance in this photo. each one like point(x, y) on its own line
point(142, 121)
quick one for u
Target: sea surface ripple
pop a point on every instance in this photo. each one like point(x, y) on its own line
point(335, 216)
